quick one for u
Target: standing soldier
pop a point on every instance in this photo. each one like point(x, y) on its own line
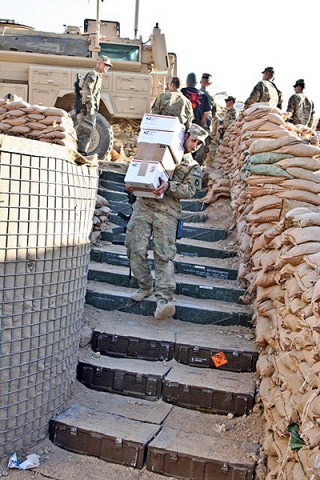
point(174, 103)
point(159, 218)
point(90, 99)
point(199, 101)
point(266, 91)
point(230, 115)
point(300, 108)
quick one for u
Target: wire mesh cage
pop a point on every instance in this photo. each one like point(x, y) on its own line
point(47, 203)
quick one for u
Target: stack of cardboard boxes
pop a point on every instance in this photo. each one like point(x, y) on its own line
point(159, 150)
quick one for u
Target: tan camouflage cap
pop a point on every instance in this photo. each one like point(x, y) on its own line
point(106, 60)
point(198, 133)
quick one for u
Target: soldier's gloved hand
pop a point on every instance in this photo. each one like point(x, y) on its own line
point(163, 188)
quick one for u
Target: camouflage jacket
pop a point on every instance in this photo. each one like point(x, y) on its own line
point(265, 91)
point(91, 89)
point(302, 109)
point(176, 104)
point(186, 180)
point(229, 117)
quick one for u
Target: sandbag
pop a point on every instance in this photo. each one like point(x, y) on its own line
point(273, 145)
point(307, 163)
point(268, 170)
point(300, 184)
point(301, 195)
point(304, 174)
point(296, 235)
point(269, 157)
point(295, 255)
point(300, 150)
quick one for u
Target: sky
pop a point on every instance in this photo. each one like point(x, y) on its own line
point(234, 40)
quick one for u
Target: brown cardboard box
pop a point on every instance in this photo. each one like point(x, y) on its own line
point(154, 152)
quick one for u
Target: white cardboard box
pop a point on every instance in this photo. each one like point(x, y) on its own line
point(154, 152)
point(169, 123)
point(174, 140)
point(144, 177)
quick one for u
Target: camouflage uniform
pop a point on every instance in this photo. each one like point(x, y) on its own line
point(159, 217)
point(265, 91)
point(175, 104)
point(90, 97)
point(302, 109)
point(230, 116)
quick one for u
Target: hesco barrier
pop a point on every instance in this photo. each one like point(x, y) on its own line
point(47, 203)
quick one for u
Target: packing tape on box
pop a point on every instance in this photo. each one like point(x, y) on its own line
point(143, 168)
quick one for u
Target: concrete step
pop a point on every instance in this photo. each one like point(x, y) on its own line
point(118, 334)
point(211, 289)
point(109, 297)
point(212, 391)
point(225, 269)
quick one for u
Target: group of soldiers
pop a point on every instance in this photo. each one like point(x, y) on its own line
point(158, 217)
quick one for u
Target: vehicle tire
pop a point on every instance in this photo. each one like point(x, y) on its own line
point(101, 142)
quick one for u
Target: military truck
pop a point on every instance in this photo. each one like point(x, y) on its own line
point(42, 67)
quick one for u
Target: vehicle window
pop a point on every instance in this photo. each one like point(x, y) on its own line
point(128, 53)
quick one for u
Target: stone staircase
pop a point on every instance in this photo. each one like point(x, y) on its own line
point(172, 397)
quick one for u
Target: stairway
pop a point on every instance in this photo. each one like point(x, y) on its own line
point(171, 397)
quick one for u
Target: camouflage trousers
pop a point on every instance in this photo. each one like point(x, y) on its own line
point(84, 129)
point(145, 222)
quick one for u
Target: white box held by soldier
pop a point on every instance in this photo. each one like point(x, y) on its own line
point(154, 152)
point(174, 140)
point(144, 177)
point(169, 123)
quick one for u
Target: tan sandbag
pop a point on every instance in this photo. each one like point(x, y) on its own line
point(4, 126)
point(16, 121)
point(308, 220)
point(289, 204)
point(304, 174)
point(264, 366)
point(301, 195)
point(53, 111)
point(306, 276)
point(296, 235)
point(262, 134)
point(270, 145)
point(259, 191)
point(300, 150)
point(264, 279)
point(260, 108)
point(307, 163)
point(299, 184)
point(266, 202)
point(263, 179)
point(20, 130)
point(263, 331)
point(295, 255)
point(35, 134)
point(14, 113)
point(36, 125)
point(35, 116)
point(313, 260)
point(268, 259)
point(293, 288)
point(16, 104)
point(316, 292)
point(266, 216)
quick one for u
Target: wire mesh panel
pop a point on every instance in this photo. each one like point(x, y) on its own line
point(46, 207)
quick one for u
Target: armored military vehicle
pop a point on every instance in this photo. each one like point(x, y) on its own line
point(42, 67)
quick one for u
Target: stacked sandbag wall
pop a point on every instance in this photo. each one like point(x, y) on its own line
point(276, 200)
point(47, 202)
point(46, 124)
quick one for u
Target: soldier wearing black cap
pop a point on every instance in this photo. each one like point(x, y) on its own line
point(300, 108)
point(90, 99)
point(230, 115)
point(266, 91)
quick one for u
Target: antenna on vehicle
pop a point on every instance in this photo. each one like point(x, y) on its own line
point(136, 18)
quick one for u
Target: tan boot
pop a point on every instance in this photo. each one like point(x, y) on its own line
point(140, 294)
point(164, 310)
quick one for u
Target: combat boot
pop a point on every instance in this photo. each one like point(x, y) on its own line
point(164, 310)
point(140, 294)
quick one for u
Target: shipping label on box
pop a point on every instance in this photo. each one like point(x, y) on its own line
point(144, 177)
point(154, 152)
point(152, 121)
point(173, 140)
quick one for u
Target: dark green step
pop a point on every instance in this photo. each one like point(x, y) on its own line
point(187, 205)
point(209, 290)
point(121, 335)
point(107, 297)
point(199, 270)
point(197, 217)
point(112, 176)
point(183, 248)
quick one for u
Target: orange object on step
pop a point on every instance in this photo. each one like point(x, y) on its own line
point(219, 359)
